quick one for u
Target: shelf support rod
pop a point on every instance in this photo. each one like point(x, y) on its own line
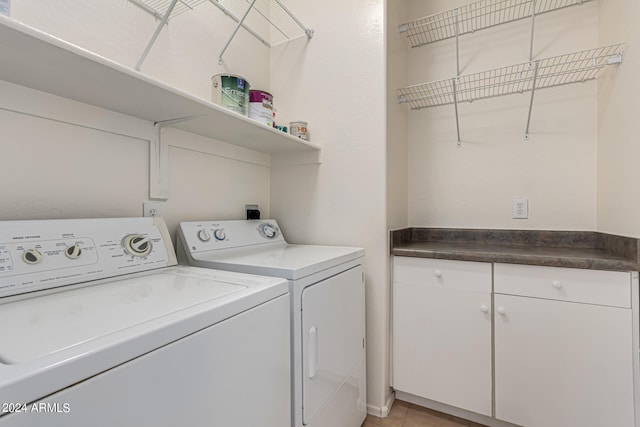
point(235, 31)
point(533, 92)
point(533, 23)
point(457, 13)
point(156, 34)
point(455, 103)
point(233, 17)
point(148, 9)
point(308, 31)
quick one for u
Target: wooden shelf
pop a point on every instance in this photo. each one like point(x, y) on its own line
point(40, 61)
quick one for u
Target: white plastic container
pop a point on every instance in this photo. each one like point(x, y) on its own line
point(299, 129)
point(261, 107)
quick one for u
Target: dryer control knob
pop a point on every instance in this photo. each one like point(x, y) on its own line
point(137, 245)
point(267, 230)
point(73, 252)
point(32, 256)
point(219, 234)
point(204, 235)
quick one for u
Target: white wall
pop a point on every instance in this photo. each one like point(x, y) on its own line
point(473, 186)
point(64, 159)
point(618, 107)
point(185, 54)
point(397, 118)
point(336, 82)
point(397, 131)
point(81, 161)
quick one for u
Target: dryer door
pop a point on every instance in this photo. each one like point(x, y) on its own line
point(332, 337)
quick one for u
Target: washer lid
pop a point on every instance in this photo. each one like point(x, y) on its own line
point(291, 262)
point(39, 326)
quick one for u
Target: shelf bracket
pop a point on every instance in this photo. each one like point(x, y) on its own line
point(533, 92)
point(159, 160)
point(240, 23)
point(615, 59)
point(455, 103)
point(155, 35)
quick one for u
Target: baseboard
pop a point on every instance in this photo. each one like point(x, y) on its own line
point(461, 413)
point(382, 411)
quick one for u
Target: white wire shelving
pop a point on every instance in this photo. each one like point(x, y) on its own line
point(477, 16)
point(530, 76)
point(525, 77)
point(159, 8)
point(269, 21)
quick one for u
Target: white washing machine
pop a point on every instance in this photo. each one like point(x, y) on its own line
point(101, 328)
point(327, 310)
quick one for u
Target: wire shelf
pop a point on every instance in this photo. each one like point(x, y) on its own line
point(544, 73)
point(158, 8)
point(268, 20)
point(476, 16)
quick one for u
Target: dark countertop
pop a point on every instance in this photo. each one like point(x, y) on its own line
point(573, 249)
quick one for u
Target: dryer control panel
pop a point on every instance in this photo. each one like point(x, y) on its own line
point(38, 255)
point(206, 236)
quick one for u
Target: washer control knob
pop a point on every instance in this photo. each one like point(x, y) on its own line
point(137, 245)
point(204, 235)
point(73, 252)
point(219, 234)
point(32, 256)
point(268, 230)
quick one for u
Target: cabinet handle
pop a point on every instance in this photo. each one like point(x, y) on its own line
point(484, 308)
point(557, 284)
point(501, 311)
point(438, 273)
point(313, 352)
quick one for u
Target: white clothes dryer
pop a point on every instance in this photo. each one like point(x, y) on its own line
point(101, 328)
point(327, 310)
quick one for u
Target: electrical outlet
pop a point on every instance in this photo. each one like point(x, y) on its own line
point(153, 208)
point(253, 211)
point(520, 209)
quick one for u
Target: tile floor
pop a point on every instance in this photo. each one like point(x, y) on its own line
point(405, 414)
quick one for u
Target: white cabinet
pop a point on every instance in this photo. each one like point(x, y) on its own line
point(442, 331)
point(556, 347)
point(563, 347)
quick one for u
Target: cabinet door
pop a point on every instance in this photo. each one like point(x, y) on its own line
point(562, 364)
point(442, 331)
point(333, 333)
